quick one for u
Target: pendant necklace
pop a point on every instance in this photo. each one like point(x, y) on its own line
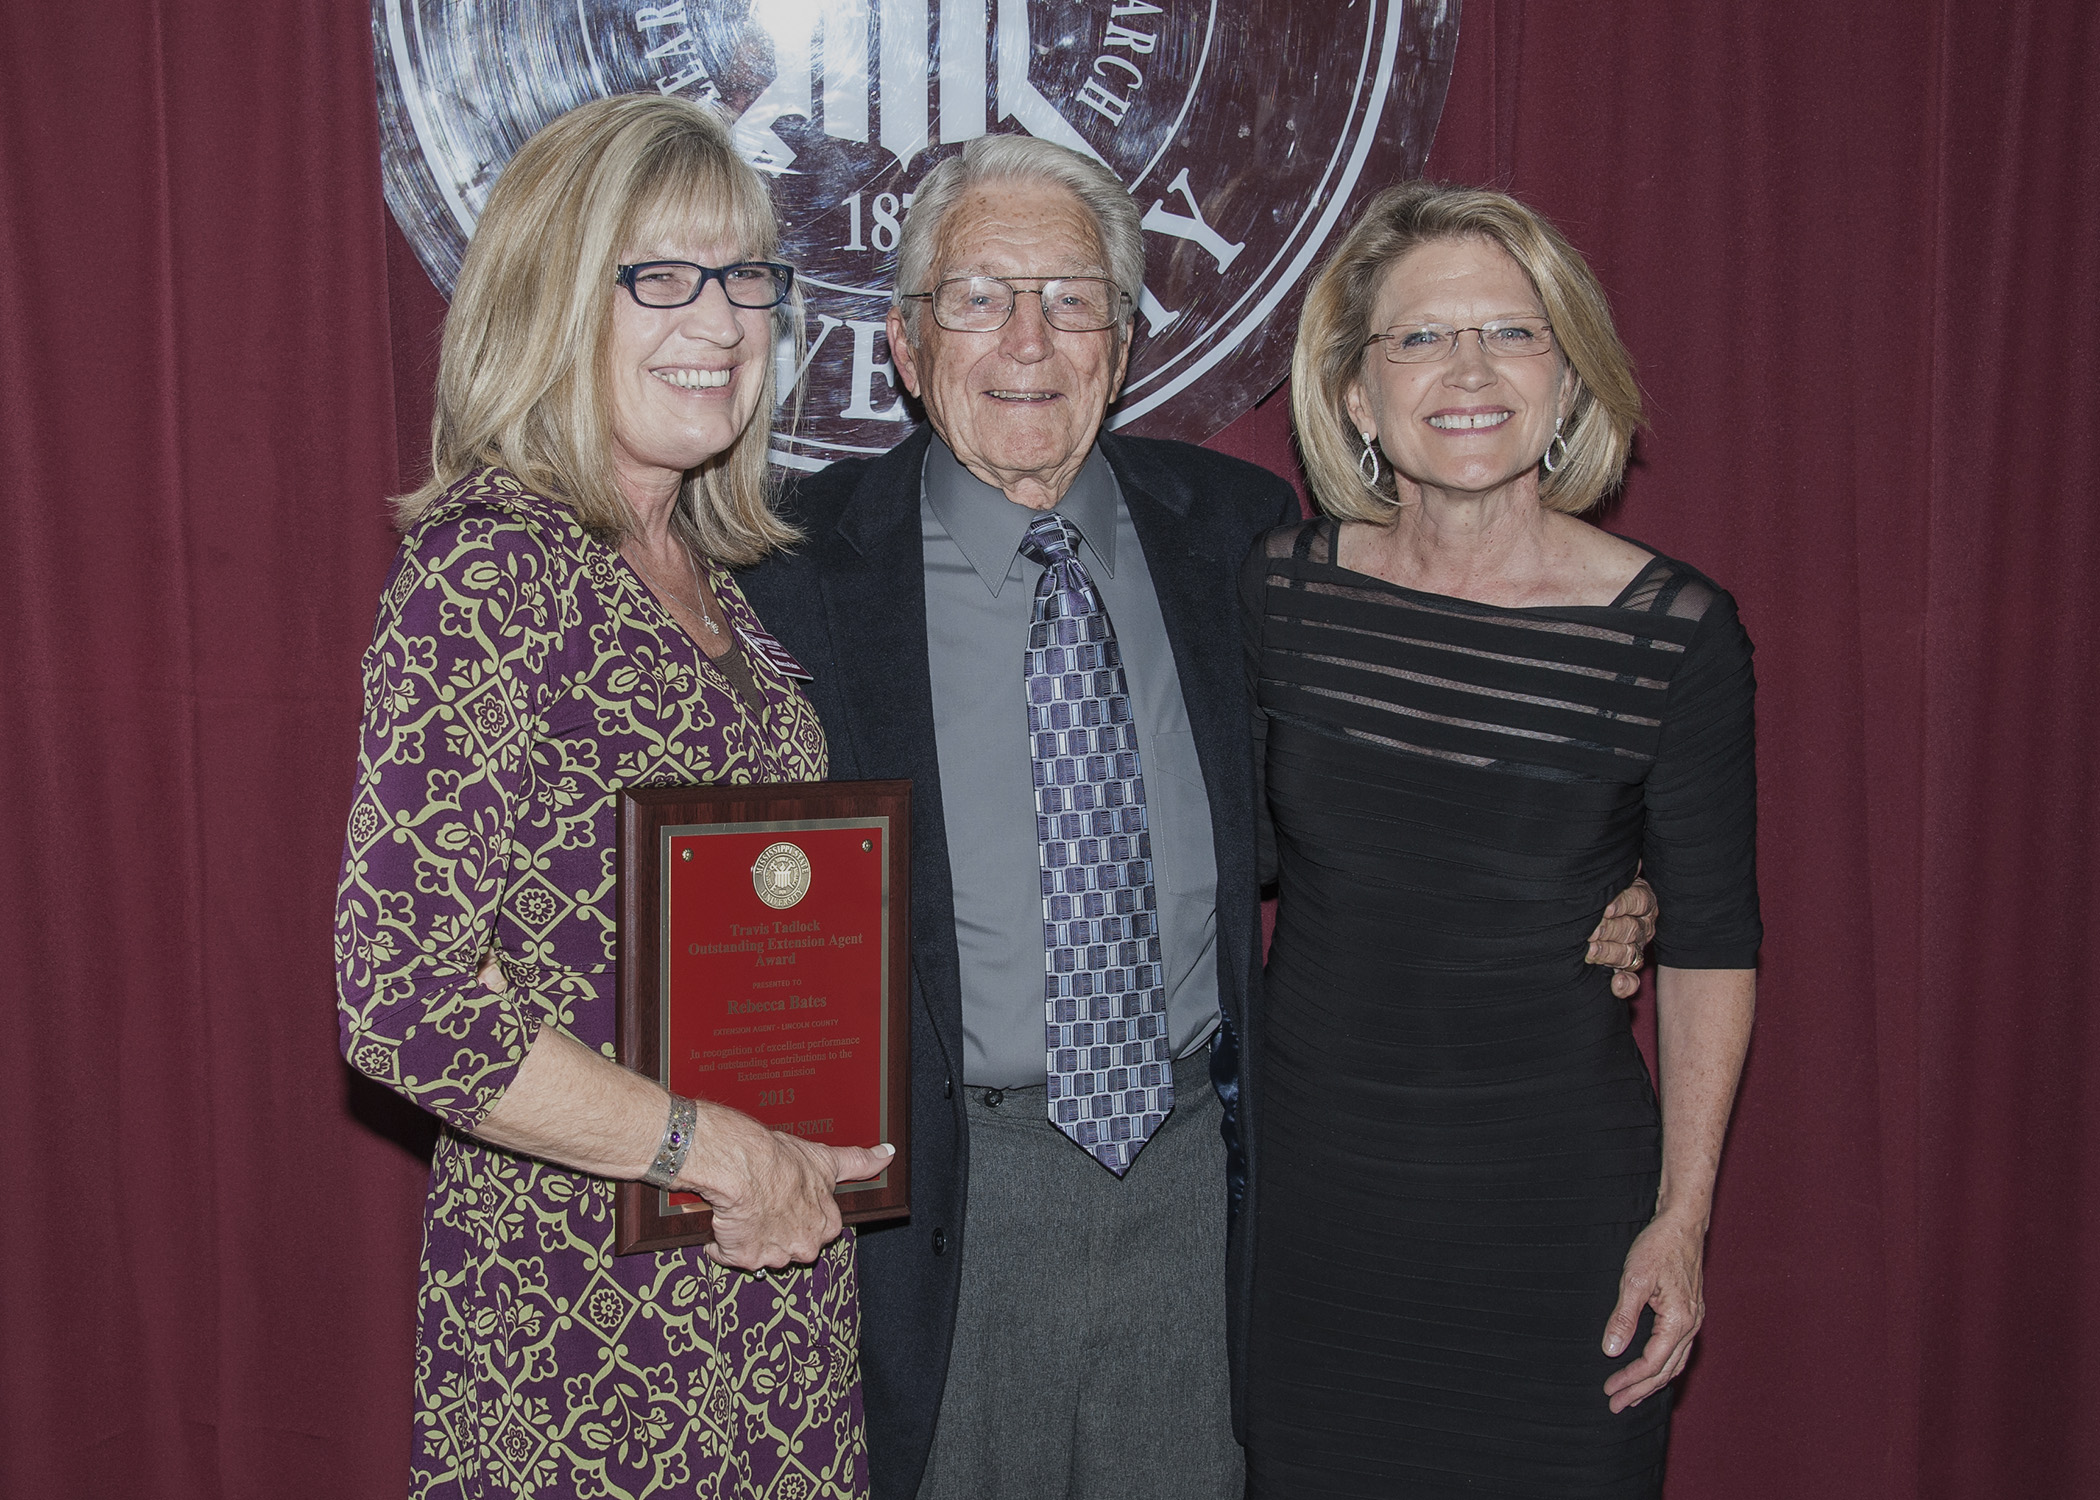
point(699, 596)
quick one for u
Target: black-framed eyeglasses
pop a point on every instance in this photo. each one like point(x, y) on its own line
point(982, 304)
point(674, 283)
point(1426, 343)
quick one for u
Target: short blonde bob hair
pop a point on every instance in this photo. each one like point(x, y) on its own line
point(522, 372)
point(1334, 329)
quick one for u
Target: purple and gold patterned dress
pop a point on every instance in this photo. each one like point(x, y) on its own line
point(519, 676)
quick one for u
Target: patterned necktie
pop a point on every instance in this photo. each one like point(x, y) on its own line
point(1104, 997)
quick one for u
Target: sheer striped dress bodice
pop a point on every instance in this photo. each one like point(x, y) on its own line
point(1454, 1138)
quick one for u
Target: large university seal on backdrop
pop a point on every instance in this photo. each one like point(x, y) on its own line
point(1248, 131)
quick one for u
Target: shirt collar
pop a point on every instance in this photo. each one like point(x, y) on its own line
point(988, 527)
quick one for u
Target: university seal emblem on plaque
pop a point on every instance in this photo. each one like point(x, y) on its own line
point(781, 875)
point(1247, 132)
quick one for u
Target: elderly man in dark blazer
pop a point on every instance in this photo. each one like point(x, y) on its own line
point(1052, 1319)
point(1036, 622)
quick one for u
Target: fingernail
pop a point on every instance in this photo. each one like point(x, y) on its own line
point(886, 1149)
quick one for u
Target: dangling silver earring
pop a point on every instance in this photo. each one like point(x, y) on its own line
point(1367, 466)
point(1550, 463)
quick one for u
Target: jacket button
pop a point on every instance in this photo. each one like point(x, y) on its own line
point(947, 1088)
point(940, 1242)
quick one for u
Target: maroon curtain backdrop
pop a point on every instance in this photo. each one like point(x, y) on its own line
point(1856, 251)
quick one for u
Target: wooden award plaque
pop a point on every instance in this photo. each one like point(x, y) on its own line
point(764, 964)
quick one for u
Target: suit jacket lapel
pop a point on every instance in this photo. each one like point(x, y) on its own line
point(873, 580)
point(872, 574)
point(1199, 602)
point(1196, 585)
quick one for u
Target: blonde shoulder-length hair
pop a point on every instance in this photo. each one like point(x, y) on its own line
point(521, 375)
point(1335, 328)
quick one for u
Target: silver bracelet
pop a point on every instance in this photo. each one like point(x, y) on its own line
point(678, 1139)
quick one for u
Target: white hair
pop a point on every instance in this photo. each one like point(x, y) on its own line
point(1019, 159)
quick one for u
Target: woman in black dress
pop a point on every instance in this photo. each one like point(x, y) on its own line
point(1477, 1240)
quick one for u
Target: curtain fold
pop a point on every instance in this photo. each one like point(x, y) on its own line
point(208, 1262)
point(1854, 251)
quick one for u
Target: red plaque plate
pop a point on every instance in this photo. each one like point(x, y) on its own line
point(762, 965)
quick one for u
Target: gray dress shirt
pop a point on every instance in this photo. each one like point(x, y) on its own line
point(979, 591)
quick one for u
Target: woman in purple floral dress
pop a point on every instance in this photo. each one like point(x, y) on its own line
point(561, 623)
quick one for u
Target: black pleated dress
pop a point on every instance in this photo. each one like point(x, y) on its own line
point(1454, 1139)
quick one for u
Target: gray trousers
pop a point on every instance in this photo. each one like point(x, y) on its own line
point(1089, 1355)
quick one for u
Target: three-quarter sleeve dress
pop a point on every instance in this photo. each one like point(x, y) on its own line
point(1456, 1137)
point(519, 676)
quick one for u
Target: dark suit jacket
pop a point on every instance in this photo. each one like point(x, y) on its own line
point(850, 603)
